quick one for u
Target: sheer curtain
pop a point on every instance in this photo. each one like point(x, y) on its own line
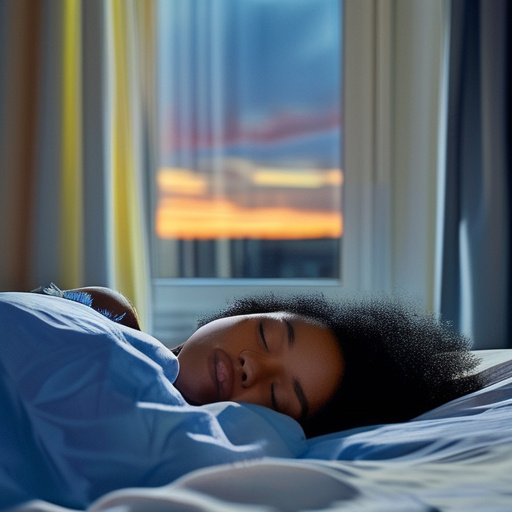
point(475, 278)
point(75, 94)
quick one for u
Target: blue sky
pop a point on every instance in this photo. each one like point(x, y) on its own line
point(249, 64)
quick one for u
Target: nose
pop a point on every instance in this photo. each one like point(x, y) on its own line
point(257, 368)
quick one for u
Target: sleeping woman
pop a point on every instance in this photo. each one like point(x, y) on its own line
point(89, 403)
point(330, 365)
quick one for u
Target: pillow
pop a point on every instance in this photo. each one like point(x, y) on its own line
point(472, 422)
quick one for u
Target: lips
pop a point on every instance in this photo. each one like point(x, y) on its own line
point(222, 373)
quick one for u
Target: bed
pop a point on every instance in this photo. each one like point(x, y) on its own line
point(90, 421)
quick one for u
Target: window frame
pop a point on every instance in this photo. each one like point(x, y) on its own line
point(178, 302)
point(378, 230)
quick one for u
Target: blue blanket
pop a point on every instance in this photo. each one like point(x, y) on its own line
point(88, 406)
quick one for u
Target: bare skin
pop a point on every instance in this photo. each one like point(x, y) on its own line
point(115, 302)
point(279, 360)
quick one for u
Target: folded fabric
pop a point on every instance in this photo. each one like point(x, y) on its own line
point(88, 406)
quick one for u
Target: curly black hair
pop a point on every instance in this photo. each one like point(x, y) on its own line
point(399, 361)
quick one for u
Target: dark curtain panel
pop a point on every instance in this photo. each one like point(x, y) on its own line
point(476, 260)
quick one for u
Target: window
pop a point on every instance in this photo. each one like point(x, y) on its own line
point(245, 143)
point(248, 186)
point(249, 181)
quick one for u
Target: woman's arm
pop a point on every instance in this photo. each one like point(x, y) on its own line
point(114, 302)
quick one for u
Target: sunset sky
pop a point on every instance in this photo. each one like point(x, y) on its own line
point(289, 204)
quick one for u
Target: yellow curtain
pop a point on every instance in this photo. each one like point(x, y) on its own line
point(64, 213)
point(71, 200)
point(130, 24)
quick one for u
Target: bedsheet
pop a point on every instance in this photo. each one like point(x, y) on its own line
point(456, 457)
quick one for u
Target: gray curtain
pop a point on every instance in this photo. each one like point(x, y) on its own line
point(475, 276)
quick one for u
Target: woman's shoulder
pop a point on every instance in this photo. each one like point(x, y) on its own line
point(108, 302)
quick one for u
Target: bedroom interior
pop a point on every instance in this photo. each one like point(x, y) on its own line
point(423, 179)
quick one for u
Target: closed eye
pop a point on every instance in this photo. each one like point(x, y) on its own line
point(262, 336)
point(272, 391)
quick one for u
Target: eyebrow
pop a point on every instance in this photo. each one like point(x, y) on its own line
point(297, 386)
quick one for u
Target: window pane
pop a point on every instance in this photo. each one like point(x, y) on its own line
point(249, 181)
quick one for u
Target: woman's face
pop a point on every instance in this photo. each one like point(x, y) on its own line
point(279, 360)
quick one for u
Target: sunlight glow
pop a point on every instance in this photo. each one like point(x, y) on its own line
point(188, 210)
point(297, 179)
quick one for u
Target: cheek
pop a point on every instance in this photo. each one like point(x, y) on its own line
point(196, 350)
point(193, 378)
point(209, 336)
point(254, 395)
point(193, 352)
point(323, 379)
